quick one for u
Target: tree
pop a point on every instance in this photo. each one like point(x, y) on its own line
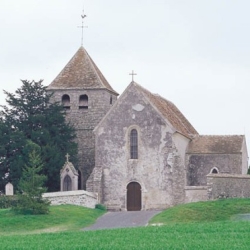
point(11, 147)
point(31, 185)
point(29, 115)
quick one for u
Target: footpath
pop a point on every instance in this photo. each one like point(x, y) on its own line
point(122, 220)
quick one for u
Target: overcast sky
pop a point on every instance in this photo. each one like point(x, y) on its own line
point(195, 53)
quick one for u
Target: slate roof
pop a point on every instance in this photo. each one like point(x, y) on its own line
point(170, 112)
point(81, 73)
point(216, 144)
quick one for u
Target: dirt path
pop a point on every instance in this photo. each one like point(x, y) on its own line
point(122, 219)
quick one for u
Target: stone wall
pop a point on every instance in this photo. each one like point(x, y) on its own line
point(84, 121)
point(159, 168)
point(195, 193)
point(80, 198)
point(200, 165)
point(228, 186)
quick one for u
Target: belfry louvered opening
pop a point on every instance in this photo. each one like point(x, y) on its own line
point(66, 101)
point(83, 102)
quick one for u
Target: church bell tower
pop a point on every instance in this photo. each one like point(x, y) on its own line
point(86, 96)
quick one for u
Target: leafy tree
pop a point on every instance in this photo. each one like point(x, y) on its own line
point(31, 185)
point(11, 146)
point(29, 115)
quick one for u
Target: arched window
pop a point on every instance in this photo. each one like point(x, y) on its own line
point(83, 102)
point(133, 144)
point(66, 101)
point(214, 171)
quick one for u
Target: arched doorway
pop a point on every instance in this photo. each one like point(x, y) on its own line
point(67, 183)
point(133, 196)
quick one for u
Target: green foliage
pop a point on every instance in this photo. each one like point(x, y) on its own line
point(30, 199)
point(206, 211)
point(8, 201)
point(29, 116)
point(101, 207)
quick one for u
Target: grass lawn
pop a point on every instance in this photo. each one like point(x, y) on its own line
point(201, 225)
point(60, 218)
point(204, 211)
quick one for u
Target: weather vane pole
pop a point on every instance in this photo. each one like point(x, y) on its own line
point(82, 26)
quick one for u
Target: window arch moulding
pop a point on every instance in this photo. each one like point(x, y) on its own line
point(214, 170)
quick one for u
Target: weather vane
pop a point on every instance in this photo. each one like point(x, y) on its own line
point(82, 26)
point(133, 74)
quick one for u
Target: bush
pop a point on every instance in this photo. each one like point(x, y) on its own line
point(101, 207)
point(8, 201)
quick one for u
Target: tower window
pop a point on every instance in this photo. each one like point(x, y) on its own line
point(111, 100)
point(133, 144)
point(83, 102)
point(66, 101)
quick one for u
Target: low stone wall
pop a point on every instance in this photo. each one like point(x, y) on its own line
point(195, 193)
point(79, 197)
point(228, 186)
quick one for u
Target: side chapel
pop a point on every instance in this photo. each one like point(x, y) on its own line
point(138, 151)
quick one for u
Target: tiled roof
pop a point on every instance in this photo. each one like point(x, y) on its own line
point(81, 73)
point(170, 112)
point(216, 144)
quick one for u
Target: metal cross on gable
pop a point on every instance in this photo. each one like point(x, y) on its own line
point(82, 26)
point(132, 74)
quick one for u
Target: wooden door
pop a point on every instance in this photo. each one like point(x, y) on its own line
point(133, 196)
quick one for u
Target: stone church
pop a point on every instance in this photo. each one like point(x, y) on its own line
point(138, 151)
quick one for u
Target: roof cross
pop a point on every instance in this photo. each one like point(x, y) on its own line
point(82, 26)
point(133, 74)
point(67, 157)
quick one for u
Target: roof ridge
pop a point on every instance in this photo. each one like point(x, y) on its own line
point(91, 63)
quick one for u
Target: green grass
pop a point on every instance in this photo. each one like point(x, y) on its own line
point(201, 225)
point(212, 235)
point(60, 218)
point(207, 211)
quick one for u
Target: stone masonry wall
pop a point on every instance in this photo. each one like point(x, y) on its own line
point(158, 169)
point(80, 198)
point(228, 186)
point(195, 193)
point(84, 121)
point(200, 165)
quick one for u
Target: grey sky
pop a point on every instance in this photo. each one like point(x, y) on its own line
point(194, 53)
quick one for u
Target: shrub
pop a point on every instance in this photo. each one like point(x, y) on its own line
point(8, 201)
point(101, 207)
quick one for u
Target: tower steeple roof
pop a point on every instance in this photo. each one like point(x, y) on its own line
point(81, 73)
